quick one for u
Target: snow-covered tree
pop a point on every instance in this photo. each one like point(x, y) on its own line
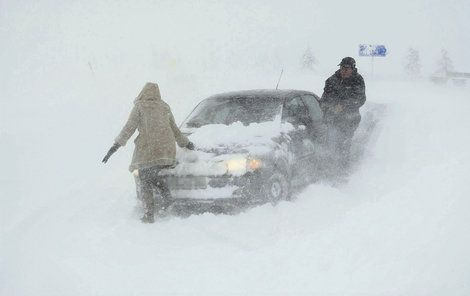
point(444, 64)
point(308, 62)
point(412, 63)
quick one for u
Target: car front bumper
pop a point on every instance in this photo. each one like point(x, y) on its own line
point(217, 194)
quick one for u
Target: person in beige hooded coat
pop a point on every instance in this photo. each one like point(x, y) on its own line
point(155, 147)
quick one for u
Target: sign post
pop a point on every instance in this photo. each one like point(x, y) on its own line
point(369, 50)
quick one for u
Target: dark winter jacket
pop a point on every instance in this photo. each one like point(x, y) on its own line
point(349, 93)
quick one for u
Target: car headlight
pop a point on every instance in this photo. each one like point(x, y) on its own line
point(242, 165)
point(253, 164)
point(236, 165)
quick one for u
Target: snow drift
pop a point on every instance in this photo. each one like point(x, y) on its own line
point(399, 226)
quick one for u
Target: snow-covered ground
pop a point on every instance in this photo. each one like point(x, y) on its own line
point(69, 225)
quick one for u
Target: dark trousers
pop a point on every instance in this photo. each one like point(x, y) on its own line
point(341, 130)
point(149, 181)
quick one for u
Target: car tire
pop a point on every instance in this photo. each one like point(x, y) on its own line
point(276, 188)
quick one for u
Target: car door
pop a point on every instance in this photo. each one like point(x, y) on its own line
point(296, 120)
point(316, 127)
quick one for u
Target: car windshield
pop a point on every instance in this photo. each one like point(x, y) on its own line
point(229, 110)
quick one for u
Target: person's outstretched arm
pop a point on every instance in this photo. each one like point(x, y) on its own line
point(129, 128)
point(126, 132)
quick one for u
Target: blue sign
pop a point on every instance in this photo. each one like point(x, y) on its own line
point(368, 50)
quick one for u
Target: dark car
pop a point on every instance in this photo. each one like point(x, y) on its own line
point(253, 147)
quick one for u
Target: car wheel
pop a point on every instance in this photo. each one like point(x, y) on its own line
point(276, 188)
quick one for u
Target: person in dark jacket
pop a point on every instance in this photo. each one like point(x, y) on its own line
point(343, 95)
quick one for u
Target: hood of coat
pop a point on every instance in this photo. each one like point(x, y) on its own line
point(150, 92)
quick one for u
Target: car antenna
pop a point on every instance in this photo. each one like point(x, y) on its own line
point(282, 70)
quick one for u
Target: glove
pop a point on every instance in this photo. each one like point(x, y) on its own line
point(113, 149)
point(190, 146)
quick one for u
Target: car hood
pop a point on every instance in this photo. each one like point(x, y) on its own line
point(218, 143)
point(256, 138)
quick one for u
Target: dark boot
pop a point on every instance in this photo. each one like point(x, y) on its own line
point(148, 218)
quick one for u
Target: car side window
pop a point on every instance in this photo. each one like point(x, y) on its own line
point(313, 107)
point(295, 112)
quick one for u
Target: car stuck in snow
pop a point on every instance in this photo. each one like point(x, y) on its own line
point(253, 147)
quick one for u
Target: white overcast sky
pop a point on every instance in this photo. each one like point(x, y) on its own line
point(226, 35)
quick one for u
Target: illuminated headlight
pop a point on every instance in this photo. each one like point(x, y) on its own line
point(236, 165)
point(242, 165)
point(253, 164)
point(135, 173)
